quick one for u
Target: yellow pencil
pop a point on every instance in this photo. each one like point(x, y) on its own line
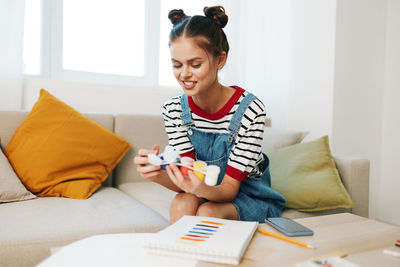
point(285, 238)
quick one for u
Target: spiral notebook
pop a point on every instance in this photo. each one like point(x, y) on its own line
point(203, 238)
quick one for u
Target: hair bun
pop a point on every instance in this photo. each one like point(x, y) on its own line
point(176, 16)
point(217, 14)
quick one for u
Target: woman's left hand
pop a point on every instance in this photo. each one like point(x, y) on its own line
point(189, 184)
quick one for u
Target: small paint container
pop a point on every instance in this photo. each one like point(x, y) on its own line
point(199, 169)
point(186, 162)
point(212, 172)
point(162, 165)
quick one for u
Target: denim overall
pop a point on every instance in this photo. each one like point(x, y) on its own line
point(255, 200)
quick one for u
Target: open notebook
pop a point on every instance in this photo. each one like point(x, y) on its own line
point(203, 238)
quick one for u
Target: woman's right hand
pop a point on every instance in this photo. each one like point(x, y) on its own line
point(145, 169)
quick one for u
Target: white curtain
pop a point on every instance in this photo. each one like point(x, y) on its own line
point(11, 40)
point(259, 34)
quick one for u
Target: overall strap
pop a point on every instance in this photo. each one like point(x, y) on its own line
point(234, 126)
point(186, 113)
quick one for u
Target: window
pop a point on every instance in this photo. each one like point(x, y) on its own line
point(102, 41)
point(32, 40)
point(109, 40)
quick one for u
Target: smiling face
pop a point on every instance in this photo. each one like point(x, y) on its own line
point(194, 68)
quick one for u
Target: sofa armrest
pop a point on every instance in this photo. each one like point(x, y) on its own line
point(354, 173)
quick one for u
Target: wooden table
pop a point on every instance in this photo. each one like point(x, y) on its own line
point(361, 238)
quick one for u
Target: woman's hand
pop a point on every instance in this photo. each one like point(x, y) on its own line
point(146, 170)
point(189, 184)
point(226, 191)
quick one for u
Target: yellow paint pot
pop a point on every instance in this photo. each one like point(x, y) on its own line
point(199, 169)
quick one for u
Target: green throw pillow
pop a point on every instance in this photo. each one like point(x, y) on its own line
point(306, 175)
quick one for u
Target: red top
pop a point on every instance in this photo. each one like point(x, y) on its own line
point(220, 113)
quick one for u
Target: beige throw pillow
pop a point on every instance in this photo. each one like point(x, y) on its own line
point(11, 188)
point(274, 139)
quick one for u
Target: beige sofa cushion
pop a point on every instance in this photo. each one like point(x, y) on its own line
point(9, 122)
point(141, 131)
point(29, 228)
point(152, 195)
point(159, 199)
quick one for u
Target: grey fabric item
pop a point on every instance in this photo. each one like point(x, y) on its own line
point(55, 222)
point(142, 131)
point(11, 188)
point(152, 195)
point(278, 138)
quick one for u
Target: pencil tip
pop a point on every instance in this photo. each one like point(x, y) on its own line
point(309, 246)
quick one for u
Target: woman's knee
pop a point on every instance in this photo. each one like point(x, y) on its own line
point(218, 210)
point(207, 209)
point(184, 202)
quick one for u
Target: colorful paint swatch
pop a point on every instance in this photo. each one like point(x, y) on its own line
point(203, 229)
point(216, 223)
point(202, 236)
point(200, 233)
point(205, 225)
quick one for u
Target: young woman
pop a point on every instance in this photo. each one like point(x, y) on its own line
point(221, 125)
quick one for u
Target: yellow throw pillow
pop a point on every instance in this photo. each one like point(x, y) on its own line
point(57, 151)
point(306, 175)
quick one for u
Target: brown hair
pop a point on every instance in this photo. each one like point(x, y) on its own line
point(208, 26)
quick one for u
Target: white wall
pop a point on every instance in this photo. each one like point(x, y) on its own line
point(261, 48)
point(312, 67)
point(389, 208)
point(285, 55)
point(359, 83)
point(100, 98)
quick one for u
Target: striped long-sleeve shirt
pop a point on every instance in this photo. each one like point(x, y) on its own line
point(247, 148)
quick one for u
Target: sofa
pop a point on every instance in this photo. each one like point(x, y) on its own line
point(125, 203)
